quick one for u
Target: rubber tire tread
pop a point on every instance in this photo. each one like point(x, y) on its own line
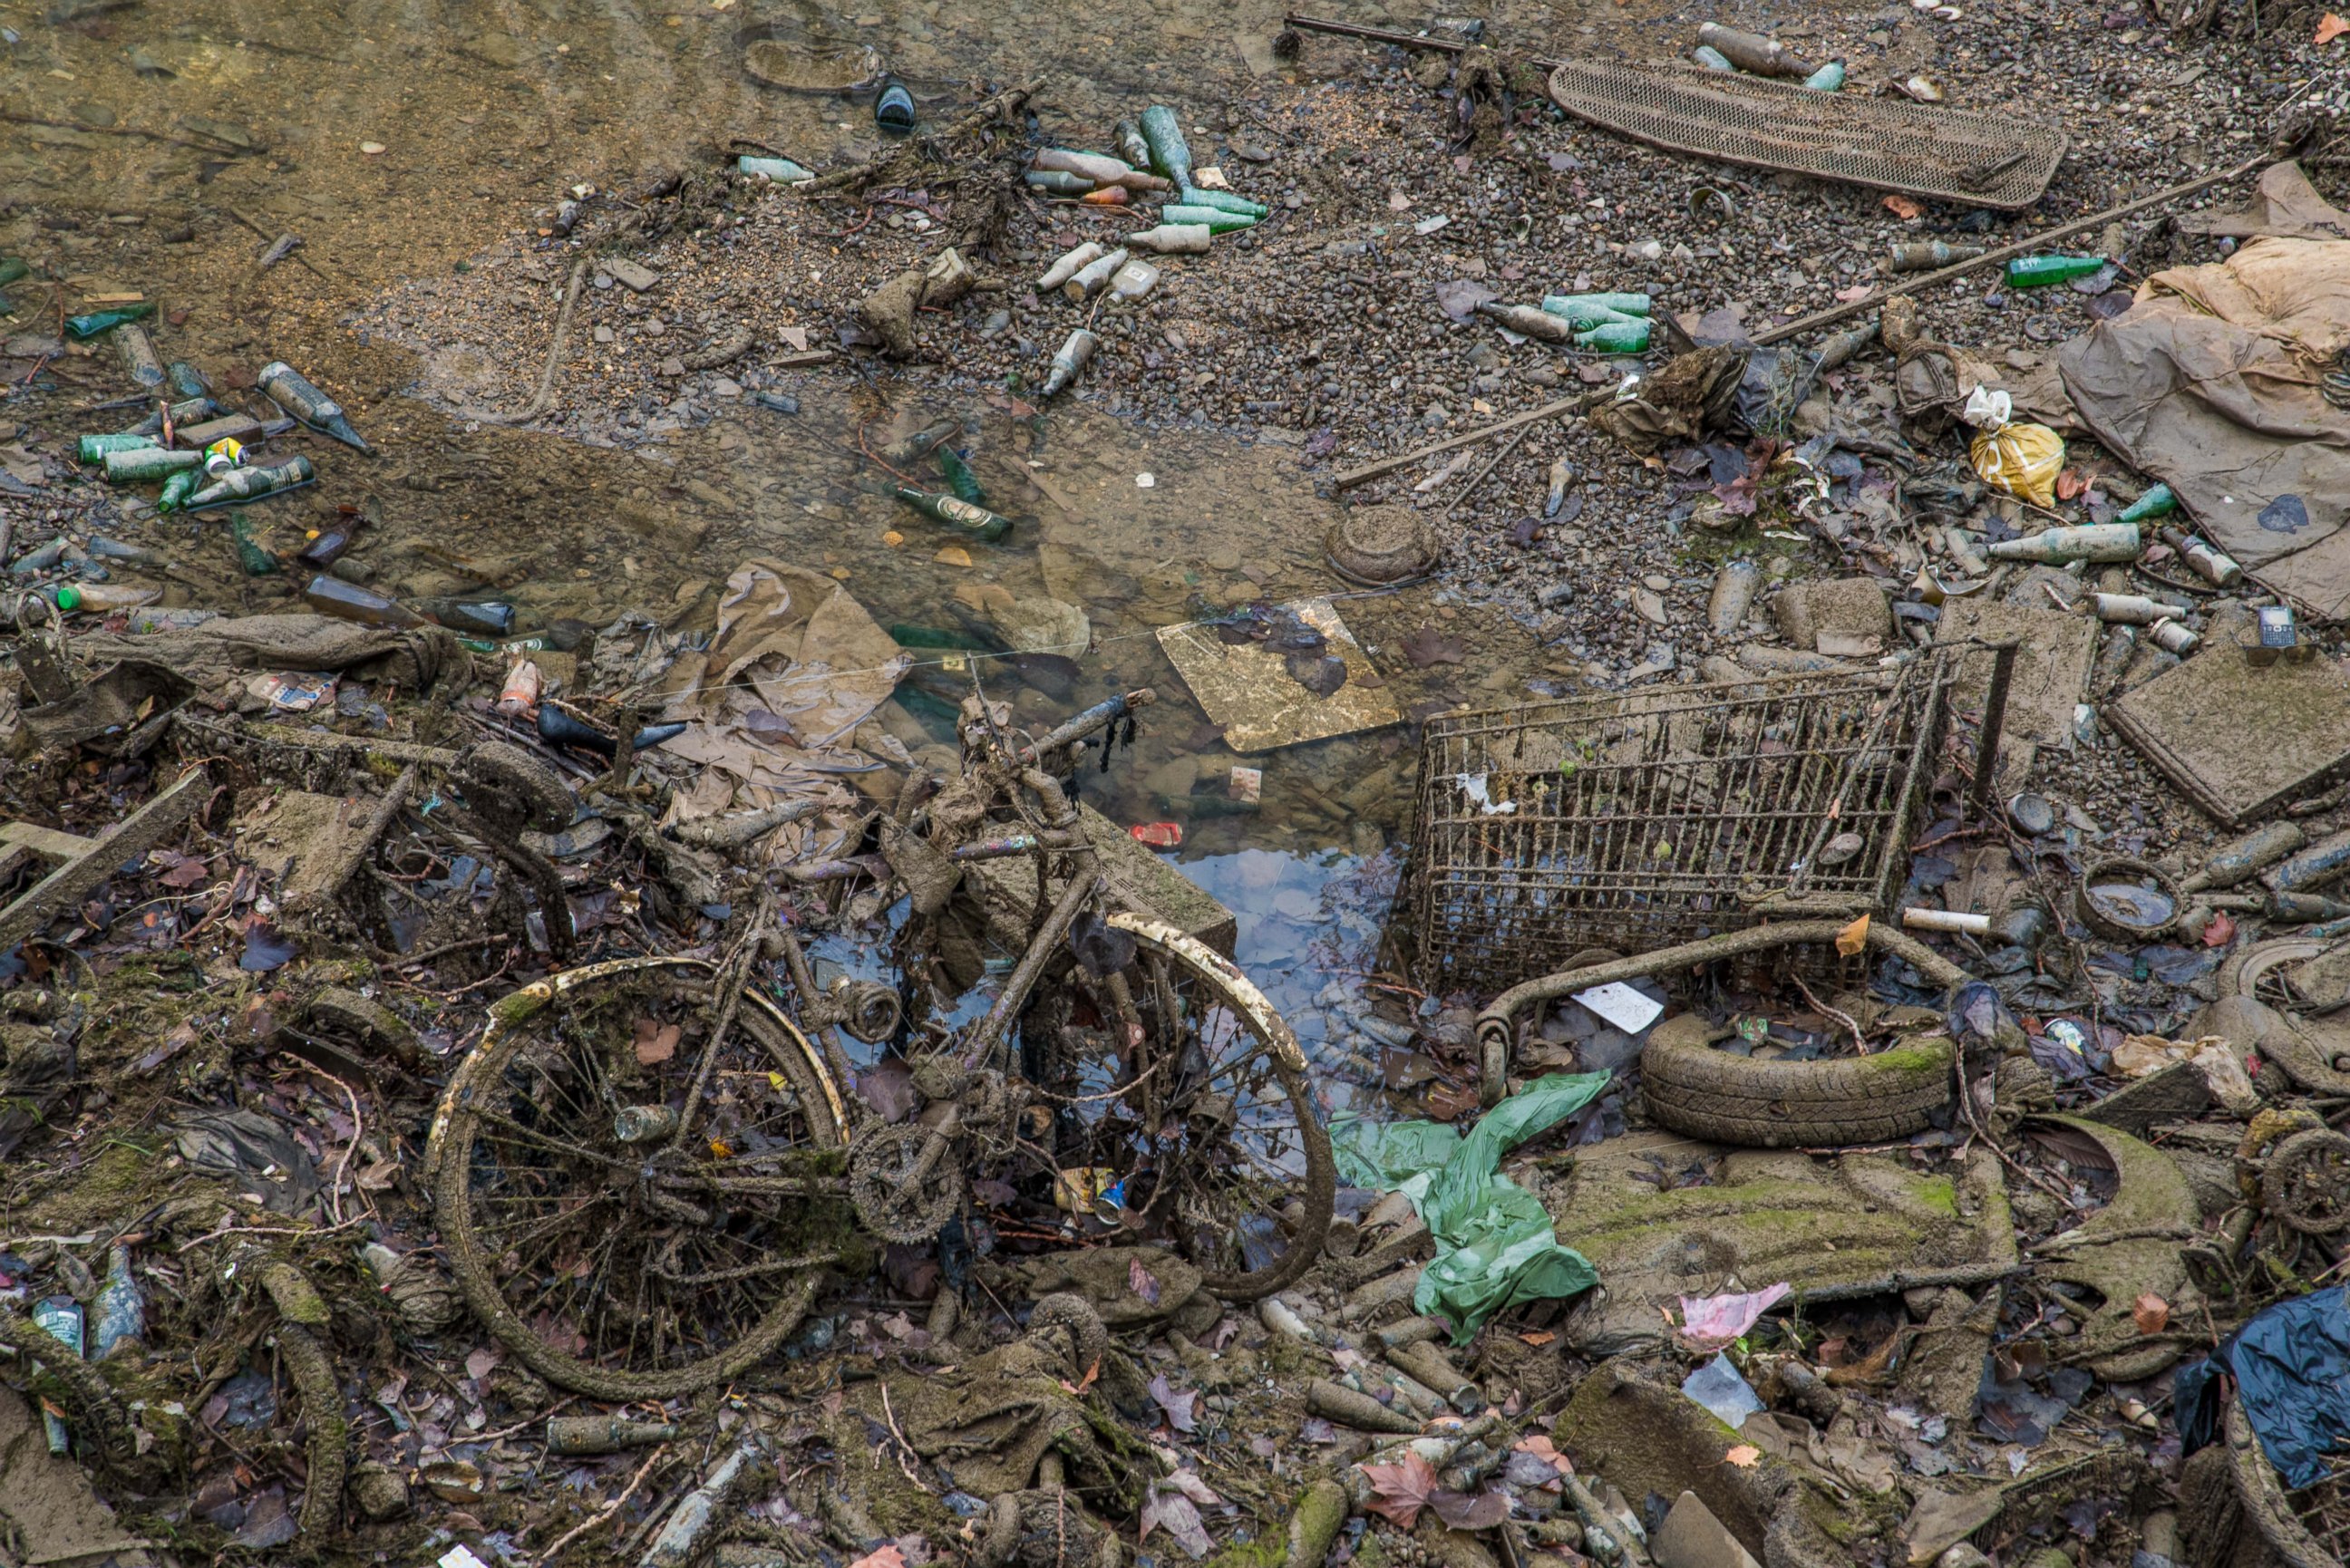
point(1713, 1095)
point(502, 766)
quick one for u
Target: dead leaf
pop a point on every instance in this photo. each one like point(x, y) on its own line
point(1175, 1513)
point(1141, 1281)
point(1428, 647)
point(1542, 1448)
point(1182, 1406)
point(2220, 931)
point(1400, 1492)
point(2330, 27)
point(656, 1041)
point(881, 1557)
point(1082, 1384)
point(1743, 1455)
point(1902, 207)
point(2150, 1312)
point(187, 873)
point(1462, 1511)
point(1853, 938)
point(1857, 293)
point(1538, 1339)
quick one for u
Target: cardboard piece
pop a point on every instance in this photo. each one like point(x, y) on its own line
point(1248, 691)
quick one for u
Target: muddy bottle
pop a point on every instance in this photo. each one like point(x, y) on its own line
point(958, 477)
point(893, 111)
point(2157, 502)
point(2056, 546)
point(243, 485)
point(918, 446)
point(138, 355)
point(145, 622)
point(2172, 637)
point(1753, 52)
point(14, 268)
point(121, 1310)
point(102, 549)
point(288, 389)
point(178, 488)
point(603, 1434)
point(1733, 595)
point(187, 381)
point(187, 412)
point(1169, 154)
point(1097, 169)
point(326, 545)
point(1616, 338)
point(60, 1317)
point(251, 557)
point(956, 513)
point(1829, 78)
point(2302, 909)
point(348, 601)
point(1928, 255)
point(1713, 59)
point(2214, 566)
point(1070, 361)
point(1070, 264)
point(1218, 222)
point(2245, 857)
point(95, 448)
point(103, 598)
point(782, 171)
point(2134, 609)
point(82, 328)
point(1094, 277)
point(1057, 183)
point(140, 465)
point(1133, 282)
point(1528, 322)
point(1173, 239)
point(2039, 272)
point(39, 559)
point(2312, 866)
point(477, 616)
point(2114, 656)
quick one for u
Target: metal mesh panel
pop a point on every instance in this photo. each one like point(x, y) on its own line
point(1633, 821)
point(1892, 144)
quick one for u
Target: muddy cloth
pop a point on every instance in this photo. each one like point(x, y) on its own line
point(2286, 207)
point(213, 654)
point(1693, 393)
point(2210, 383)
point(258, 1151)
point(2292, 1366)
point(1494, 1244)
point(776, 707)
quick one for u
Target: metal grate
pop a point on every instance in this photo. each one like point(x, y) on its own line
point(1635, 820)
point(1891, 144)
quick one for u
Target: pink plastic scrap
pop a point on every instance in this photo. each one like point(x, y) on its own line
point(1708, 1323)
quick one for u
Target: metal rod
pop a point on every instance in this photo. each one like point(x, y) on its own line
point(1995, 718)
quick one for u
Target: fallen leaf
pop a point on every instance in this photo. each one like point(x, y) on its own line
point(1174, 1513)
point(1542, 1448)
point(1539, 1338)
point(1857, 293)
point(2150, 1312)
point(1082, 1384)
point(1400, 1492)
point(1853, 938)
point(1462, 1511)
point(1743, 1455)
point(1182, 1406)
point(2070, 483)
point(953, 556)
point(656, 1042)
point(2220, 931)
point(1902, 207)
point(881, 1557)
point(265, 949)
point(2330, 27)
point(187, 873)
point(1426, 646)
point(1141, 1281)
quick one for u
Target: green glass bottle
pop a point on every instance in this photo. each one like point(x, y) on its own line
point(1216, 220)
point(1616, 338)
point(257, 561)
point(178, 488)
point(1169, 154)
point(1829, 78)
point(955, 513)
point(1223, 201)
point(959, 476)
point(12, 268)
point(93, 449)
point(2156, 503)
point(1621, 303)
point(2039, 272)
point(240, 484)
point(81, 328)
point(1581, 316)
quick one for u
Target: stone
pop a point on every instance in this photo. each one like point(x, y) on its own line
point(638, 277)
point(1691, 1537)
point(1854, 608)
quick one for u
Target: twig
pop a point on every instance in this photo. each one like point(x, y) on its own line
point(904, 1447)
point(1386, 465)
point(606, 1512)
point(1469, 489)
point(1860, 1042)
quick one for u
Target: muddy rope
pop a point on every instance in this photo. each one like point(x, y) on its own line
point(543, 398)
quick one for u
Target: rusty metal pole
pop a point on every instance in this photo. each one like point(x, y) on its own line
point(1995, 718)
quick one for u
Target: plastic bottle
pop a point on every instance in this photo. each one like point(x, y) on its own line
point(1753, 52)
point(2214, 566)
point(121, 1310)
point(2039, 272)
point(1169, 154)
point(782, 171)
point(289, 390)
point(82, 328)
point(256, 561)
point(1217, 220)
point(1712, 59)
point(958, 477)
point(93, 449)
point(1132, 282)
point(1070, 360)
point(1070, 265)
point(1616, 338)
point(1928, 255)
point(1057, 183)
point(177, 489)
point(1173, 239)
point(956, 513)
point(140, 465)
point(519, 696)
point(241, 485)
point(893, 111)
point(60, 1317)
point(477, 616)
point(1094, 277)
point(2056, 546)
point(1617, 304)
point(104, 598)
point(2157, 502)
point(348, 601)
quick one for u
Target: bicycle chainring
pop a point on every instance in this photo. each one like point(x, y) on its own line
point(889, 1204)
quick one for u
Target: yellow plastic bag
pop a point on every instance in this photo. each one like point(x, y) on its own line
point(2021, 460)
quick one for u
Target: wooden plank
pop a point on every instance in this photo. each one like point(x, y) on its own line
point(48, 843)
point(75, 881)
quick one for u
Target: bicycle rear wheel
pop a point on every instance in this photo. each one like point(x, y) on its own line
point(1215, 1130)
point(616, 1253)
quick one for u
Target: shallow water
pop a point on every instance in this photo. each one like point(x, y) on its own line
point(408, 142)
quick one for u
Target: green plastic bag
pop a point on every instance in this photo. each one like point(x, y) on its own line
point(1494, 1243)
